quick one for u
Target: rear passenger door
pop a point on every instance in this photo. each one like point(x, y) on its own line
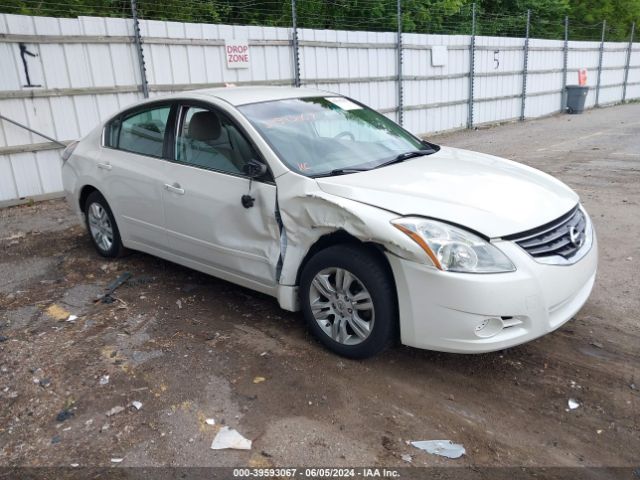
point(132, 172)
point(206, 223)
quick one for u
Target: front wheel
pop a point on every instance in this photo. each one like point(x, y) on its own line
point(348, 301)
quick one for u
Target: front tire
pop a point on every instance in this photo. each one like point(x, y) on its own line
point(102, 227)
point(348, 301)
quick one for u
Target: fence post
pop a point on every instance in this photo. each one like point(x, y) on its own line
point(399, 57)
point(136, 34)
point(565, 62)
point(604, 26)
point(296, 58)
point(626, 68)
point(525, 67)
point(472, 65)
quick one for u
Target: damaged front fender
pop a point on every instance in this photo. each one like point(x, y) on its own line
point(307, 214)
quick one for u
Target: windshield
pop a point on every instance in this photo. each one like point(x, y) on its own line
point(329, 135)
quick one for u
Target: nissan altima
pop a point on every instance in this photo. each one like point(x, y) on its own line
point(338, 212)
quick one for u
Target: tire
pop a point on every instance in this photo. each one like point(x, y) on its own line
point(350, 337)
point(102, 227)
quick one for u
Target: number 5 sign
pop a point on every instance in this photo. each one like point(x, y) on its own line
point(237, 54)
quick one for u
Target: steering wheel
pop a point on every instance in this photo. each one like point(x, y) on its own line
point(346, 134)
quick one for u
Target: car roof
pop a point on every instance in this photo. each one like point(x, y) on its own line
point(244, 95)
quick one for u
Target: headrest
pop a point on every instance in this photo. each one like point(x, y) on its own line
point(204, 126)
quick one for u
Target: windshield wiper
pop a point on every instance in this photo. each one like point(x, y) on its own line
point(406, 156)
point(341, 171)
point(397, 159)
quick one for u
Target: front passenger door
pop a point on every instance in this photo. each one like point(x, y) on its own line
point(206, 223)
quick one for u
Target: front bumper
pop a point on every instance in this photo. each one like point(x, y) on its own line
point(475, 313)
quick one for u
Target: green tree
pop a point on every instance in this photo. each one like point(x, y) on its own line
point(494, 17)
point(587, 17)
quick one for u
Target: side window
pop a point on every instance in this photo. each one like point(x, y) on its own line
point(142, 132)
point(210, 140)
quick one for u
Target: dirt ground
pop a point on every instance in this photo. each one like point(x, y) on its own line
point(190, 347)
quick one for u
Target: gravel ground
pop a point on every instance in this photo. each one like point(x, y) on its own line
point(191, 347)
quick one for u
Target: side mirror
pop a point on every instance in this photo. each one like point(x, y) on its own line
point(254, 169)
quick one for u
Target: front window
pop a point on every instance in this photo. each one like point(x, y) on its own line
point(208, 139)
point(320, 135)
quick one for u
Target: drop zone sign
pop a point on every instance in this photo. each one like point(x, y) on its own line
point(237, 53)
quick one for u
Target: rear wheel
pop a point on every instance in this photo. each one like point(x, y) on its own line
point(348, 301)
point(102, 227)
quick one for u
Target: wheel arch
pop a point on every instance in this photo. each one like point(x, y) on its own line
point(84, 194)
point(342, 237)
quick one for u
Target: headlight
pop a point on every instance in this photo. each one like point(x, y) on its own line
point(454, 249)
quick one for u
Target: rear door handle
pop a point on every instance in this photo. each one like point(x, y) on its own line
point(105, 166)
point(175, 188)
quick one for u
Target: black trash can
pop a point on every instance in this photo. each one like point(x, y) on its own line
point(576, 95)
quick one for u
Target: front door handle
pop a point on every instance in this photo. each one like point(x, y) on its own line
point(105, 166)
point(175, 188)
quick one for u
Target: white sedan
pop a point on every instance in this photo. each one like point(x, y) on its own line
point(335, 210)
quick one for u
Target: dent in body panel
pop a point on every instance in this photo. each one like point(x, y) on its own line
point(308, 213)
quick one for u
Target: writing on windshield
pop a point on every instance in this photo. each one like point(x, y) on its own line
point(319, 135)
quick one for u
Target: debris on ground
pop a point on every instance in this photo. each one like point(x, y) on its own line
point(228, 438)
point(136, 404)
point(116, 460)
point(13, 238)
point(259, 379)
point(3, 338)
point(45, 382)
point(407, 458)
point(573, 404)
point(597, 344)
point(57, 312)
point(210, 421)
point(72, 318)
point(64, 415)
point(104, 379)
point(107, 297)
point(55, 439)
point(443, 448)
point(114, 411)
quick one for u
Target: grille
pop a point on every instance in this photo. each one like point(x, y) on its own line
point(564, 236)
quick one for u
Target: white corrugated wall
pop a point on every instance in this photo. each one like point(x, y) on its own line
point(87, 68)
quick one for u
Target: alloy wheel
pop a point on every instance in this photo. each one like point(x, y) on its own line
point(100, 226)
point(342, 306)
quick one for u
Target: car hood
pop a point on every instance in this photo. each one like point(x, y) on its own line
point(491, 195)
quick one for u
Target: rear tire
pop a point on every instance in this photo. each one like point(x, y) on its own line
point(349, 302)
point(102, 228)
